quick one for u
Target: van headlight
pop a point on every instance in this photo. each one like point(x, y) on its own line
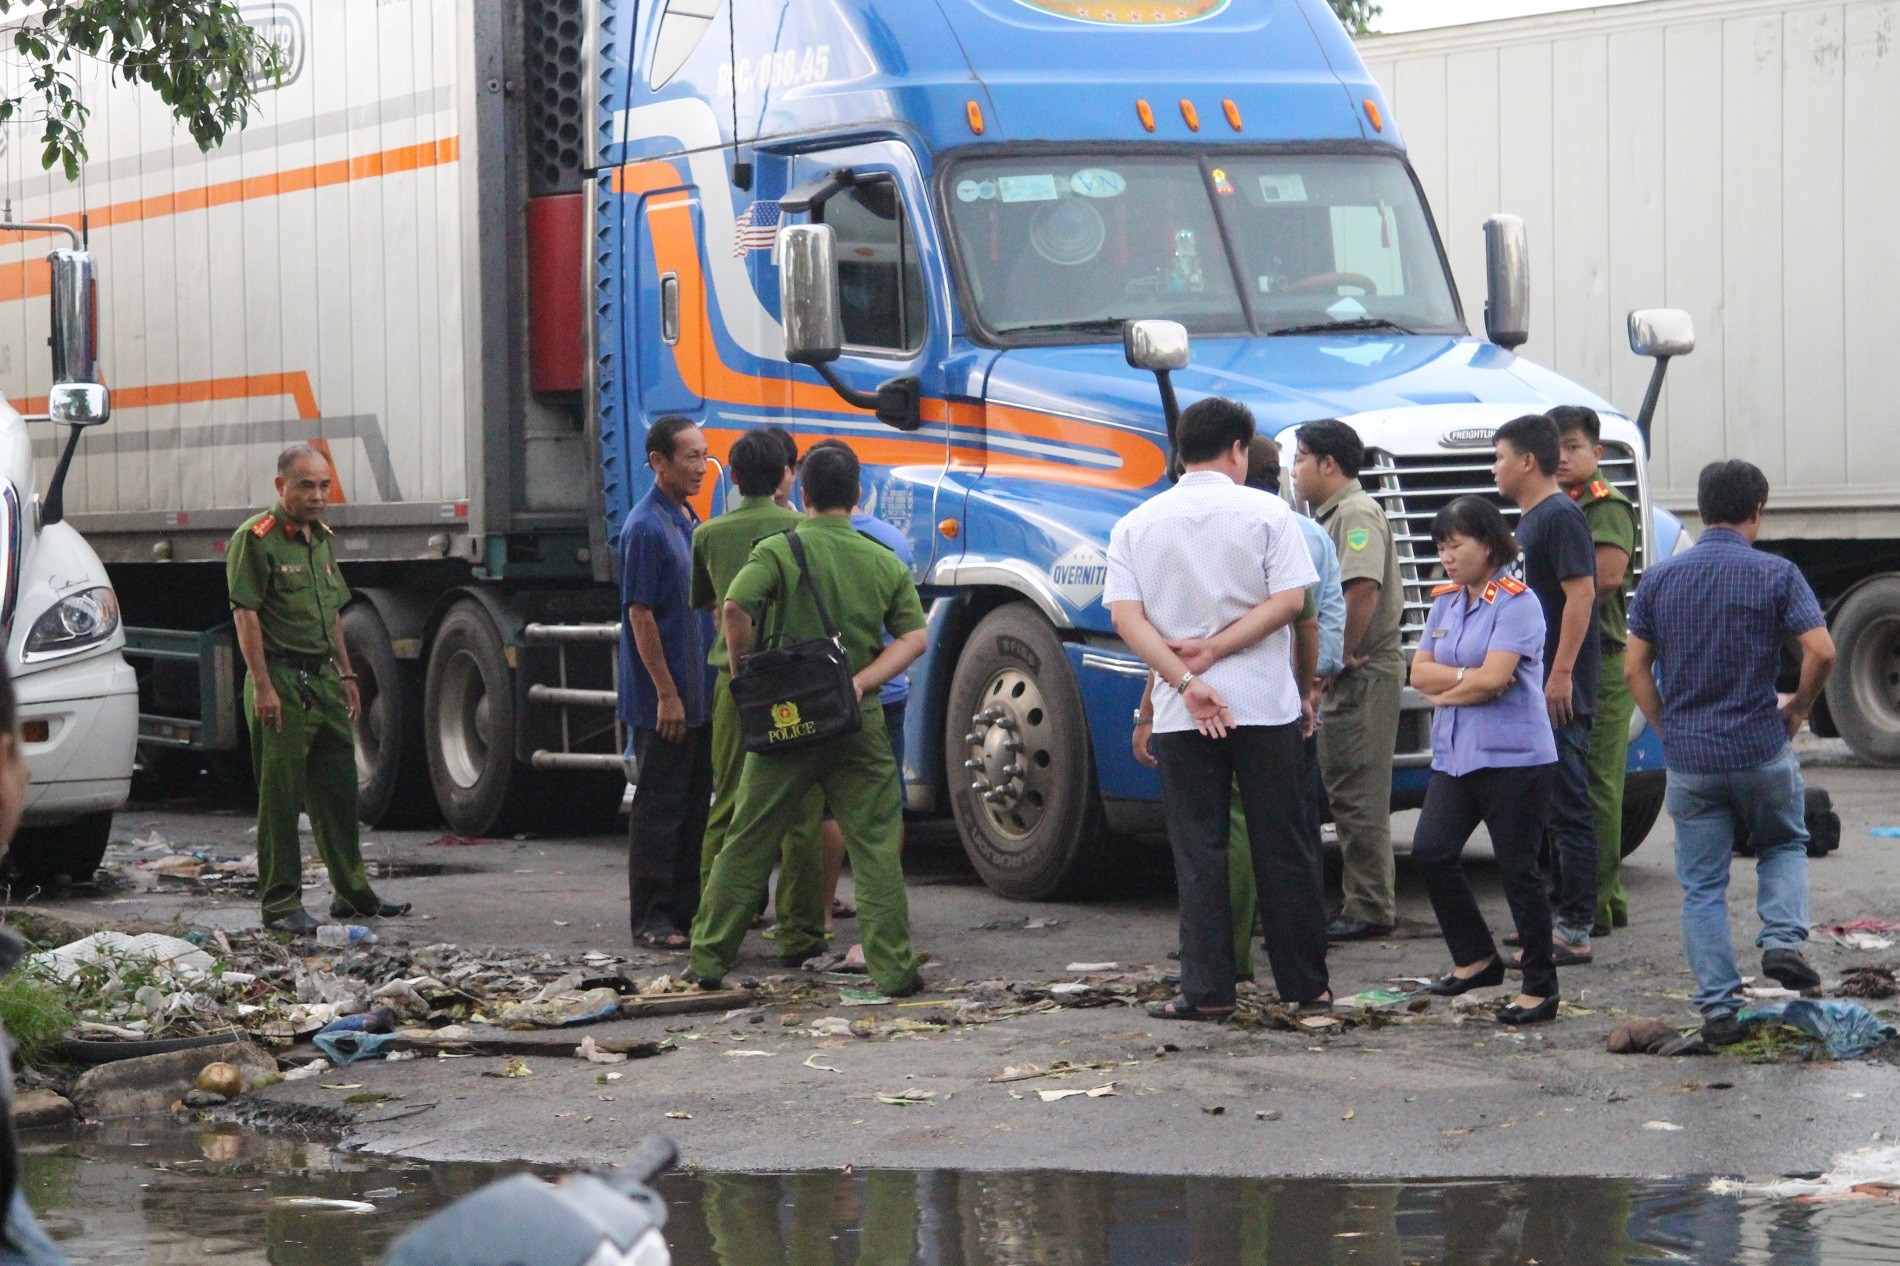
point(75, 622)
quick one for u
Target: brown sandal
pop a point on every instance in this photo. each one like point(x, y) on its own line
point(1177, 1008)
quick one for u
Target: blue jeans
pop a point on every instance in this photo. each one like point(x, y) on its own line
point(1706, 809)
point(28, 1245)
point(1572, 836)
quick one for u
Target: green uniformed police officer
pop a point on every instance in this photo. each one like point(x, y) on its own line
point(868, 592)
point(287, 599)
point(721, 549)
point(1612, 520)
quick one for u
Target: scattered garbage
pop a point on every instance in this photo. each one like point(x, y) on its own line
point(1847, 1030)
point(323, 1203)
point(1664, 1127)
point(220, 1079)
point(1037, 923)
point(1866, 941)
point(1642, 1036)
point(346, 1046)
point(1870, 1173)
point(1886, 832)
point(1372, 1000)
point(588, 1051)
point(302, 1072)
point(339, 935)
point(180, 957)
point(1092, 967)
point(909, 1098)
point(1857, 925)
point(1869, 982)
point(861, 998)
point(1098, 1092)
point(560, 1004)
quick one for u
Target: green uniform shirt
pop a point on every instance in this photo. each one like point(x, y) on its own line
point(292, 583)
point(1612, 519)
point(865, 588)
point(1363, 536)
point(721, 548)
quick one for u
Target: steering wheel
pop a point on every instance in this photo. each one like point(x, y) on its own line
point(1320, 281)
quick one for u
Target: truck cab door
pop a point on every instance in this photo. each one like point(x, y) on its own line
point(665, 342)
point(895, 302)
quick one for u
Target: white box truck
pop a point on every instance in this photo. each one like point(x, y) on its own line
point(1733, 158)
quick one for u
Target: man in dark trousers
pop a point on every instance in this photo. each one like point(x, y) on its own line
point(665, 691)
point(287, 600)
point(1560, 566)
point(1712, 620)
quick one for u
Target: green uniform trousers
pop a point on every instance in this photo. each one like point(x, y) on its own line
point(858, 778)
point(1609, 757)
point(801, 895)
point(1359, 726)
point(308, 766)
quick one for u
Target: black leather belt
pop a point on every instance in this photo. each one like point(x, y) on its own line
point(312, 664)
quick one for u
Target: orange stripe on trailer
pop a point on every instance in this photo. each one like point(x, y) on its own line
point(30, 278)
point(295, 384)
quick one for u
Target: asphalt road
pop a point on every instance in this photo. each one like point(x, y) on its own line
point(1438, 1095)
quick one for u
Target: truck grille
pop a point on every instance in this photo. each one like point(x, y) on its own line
point(1414, 488)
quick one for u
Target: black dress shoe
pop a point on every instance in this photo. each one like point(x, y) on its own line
point(1723, 1030)
point(1346, 928)
point(297, 923)
point(1620, 920)
point(1791, 971)
point(1451, 986)
point(381, 910)
point(706, 984)
point(1599, 929)
point(1543, 1011)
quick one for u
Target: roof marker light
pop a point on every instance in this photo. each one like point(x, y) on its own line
point(974, 113)
point(1372, 113)
point(1147, 114)
point(1192, 115)
point(1232, 112)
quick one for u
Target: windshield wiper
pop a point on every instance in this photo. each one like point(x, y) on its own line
point(1103, 325)
point(1339, 327)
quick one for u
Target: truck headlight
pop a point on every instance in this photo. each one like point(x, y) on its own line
point(76, 621)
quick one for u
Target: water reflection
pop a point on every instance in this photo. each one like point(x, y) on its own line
point(150, 1194)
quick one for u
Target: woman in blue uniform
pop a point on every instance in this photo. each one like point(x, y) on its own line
point(1480, 664)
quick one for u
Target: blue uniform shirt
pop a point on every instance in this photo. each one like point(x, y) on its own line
point(1716, 616)
point(1330, 596)
point(656, 571)
point(1513, 729)
point(897, 689)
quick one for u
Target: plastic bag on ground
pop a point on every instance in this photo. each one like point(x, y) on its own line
point(562, 1009)
point(1872, 1169)
point(186, 960)
point(346, 1046)
point(1847, 1029)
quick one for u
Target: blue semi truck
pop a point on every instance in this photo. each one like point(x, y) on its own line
point(924, 228)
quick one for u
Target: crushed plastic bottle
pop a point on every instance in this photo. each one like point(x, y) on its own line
point(340, 935)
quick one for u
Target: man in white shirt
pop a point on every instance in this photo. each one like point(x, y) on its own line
point(1204, 581)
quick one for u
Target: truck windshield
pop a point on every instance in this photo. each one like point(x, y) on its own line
point(1066, 247)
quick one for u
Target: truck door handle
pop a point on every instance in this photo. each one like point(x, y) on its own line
point(670, 309)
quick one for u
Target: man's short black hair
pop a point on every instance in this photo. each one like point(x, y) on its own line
point(783, 438)
point(1534, 434)
point(663, 435)
point(758, 464)
point(829, 477)
point(1730, 492)
point(1210, 427)
point(1476, 519)
point(1574, 417)
point(1329, 437)
point(1263, 464)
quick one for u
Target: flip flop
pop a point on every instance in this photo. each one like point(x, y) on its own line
point(839, 910)
point(665, 940)
point(1176, 1008)
point(1560, 956)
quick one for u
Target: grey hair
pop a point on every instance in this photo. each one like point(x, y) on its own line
point(296, 453)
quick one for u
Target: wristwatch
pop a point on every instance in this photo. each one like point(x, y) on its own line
point(1143, 718)
point(1187, 679)
point(1461, 674)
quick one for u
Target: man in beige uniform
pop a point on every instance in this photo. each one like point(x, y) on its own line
point(1359, 719)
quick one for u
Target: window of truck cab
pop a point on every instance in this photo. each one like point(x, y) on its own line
point(880, 281)
point(1064, 246)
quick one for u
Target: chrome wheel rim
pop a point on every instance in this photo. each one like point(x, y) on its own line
point(1010, 760)
point(467, 724)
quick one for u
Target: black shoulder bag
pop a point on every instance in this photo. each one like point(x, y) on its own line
point(798, 693)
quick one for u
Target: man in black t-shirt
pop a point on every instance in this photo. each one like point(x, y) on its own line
point(1560, 566)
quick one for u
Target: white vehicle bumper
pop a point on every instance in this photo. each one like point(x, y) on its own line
point(84, 765)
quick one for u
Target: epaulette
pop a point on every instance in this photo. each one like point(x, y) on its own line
point(1599, 489)
point(1575, 491)
point(262, 527)
point(1448, 587)
point(1491, 592)
point(1511, 585)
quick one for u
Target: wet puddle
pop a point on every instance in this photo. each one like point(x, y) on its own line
point(145, 1194)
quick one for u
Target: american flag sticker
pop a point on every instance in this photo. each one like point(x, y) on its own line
point(755, 229)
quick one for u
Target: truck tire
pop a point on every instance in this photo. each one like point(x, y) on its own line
point(1863, 696)
point(469, 726)
point(72, 851)
point(1015, 725)
point(1642, 805)
point(392, 773)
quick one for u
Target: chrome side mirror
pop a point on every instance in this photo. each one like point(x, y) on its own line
point(1155, 345)
point(808, 294)
point(78, 404)
point(1507, 276)
point(75, 299)
point(1661, 332)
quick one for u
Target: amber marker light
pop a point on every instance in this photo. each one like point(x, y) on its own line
point(1192, 115)
point(1232, 111)
point(949, 529)
point(974, 113)
point(1372, 113)
point(1147, 114)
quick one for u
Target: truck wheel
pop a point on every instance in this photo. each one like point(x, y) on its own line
point(392, 776)
point(1642, 805)
point(72, 851)
point(1017, 759)
point(469, 723)
point(1863, 696)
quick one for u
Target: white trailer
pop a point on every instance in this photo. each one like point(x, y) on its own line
point(1733, 158)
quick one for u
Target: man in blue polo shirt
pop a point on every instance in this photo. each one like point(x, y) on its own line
point(665, 690)
point(1712, 622)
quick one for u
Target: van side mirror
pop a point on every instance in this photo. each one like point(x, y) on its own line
point(78, 404)
point(1661, 333)
point(1160, 347)
point(75, 300)
point(1507, 276)
point(808, 294)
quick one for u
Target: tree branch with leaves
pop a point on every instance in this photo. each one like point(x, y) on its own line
point(1356, 15)
point(202, 58)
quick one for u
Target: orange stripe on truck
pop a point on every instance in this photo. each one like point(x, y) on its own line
point(295, 384)
point(30, 278)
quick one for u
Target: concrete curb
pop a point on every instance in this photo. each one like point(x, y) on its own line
point(152, 1083)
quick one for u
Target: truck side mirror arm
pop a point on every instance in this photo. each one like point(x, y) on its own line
point(898, 402)
point(1161, 347)
point(1661, 333)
